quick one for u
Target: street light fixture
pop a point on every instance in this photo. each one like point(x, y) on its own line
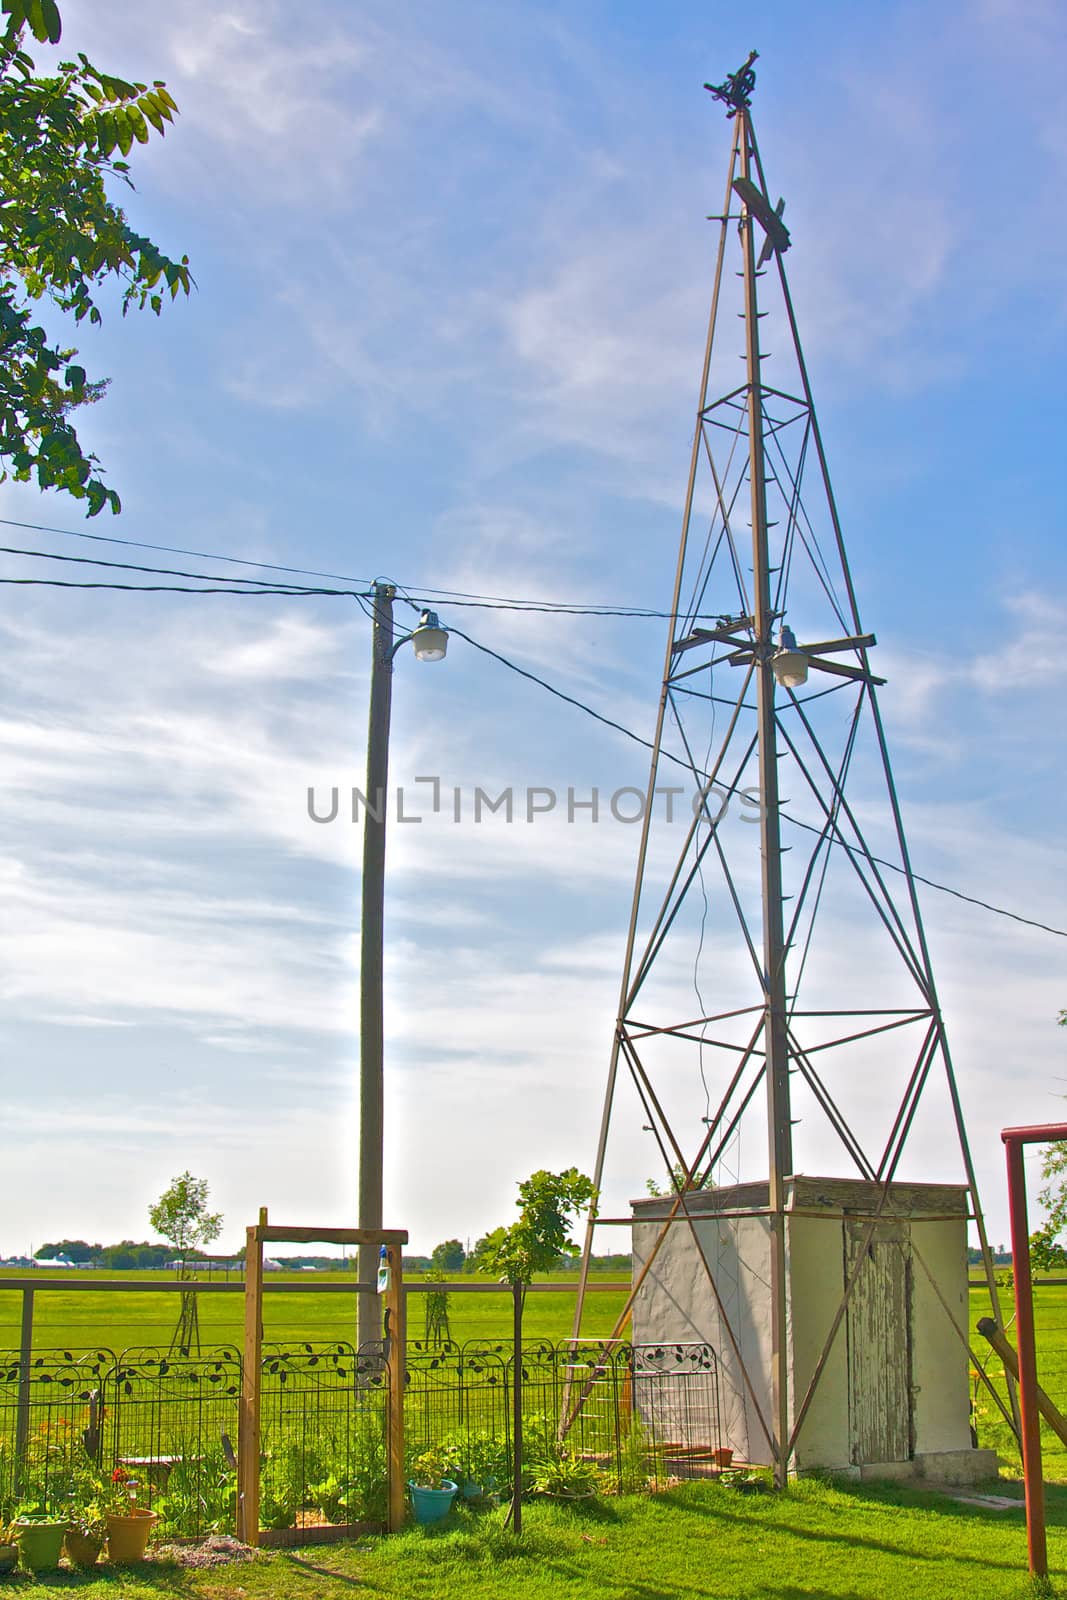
point(430, 639)
point(430, 642)
point(788, 663)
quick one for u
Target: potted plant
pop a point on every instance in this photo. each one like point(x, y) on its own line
point(128, 1524)
point(86, 1531)
point(482, 1463)
point(9, 1550)
point(432, 1490)
point(86, 1514)
point(39, 1533)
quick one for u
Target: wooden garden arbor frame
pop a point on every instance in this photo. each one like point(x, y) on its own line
point(248, 1437)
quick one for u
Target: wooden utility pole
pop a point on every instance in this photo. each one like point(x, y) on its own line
point(775, 1035)
point(372, 934)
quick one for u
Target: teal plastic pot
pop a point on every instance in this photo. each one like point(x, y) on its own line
point(40, 1542)
point(430, 1505)
point(473, 1490)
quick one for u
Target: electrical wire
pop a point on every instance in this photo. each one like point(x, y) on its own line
point(930, 883)
point(893, 866)
point(300, 592)
point(169, 572)
point(179, 550)
point(454, 596)
point(161, 588)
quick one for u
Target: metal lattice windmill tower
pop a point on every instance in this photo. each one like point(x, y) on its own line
point(778, 1004)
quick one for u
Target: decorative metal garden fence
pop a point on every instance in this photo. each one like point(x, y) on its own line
point(51, 1414)
point(649, 1412)
point(169, 1421)
point(313, 1439)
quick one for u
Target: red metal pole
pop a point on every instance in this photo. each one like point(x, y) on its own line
point(1014, 1139)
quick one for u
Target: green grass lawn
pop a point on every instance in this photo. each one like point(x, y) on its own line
point(698, 1540)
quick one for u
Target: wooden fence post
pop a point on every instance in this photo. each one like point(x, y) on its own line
point(251, 1378)
point(396, 1362)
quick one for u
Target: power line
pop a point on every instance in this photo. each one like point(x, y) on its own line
point(551, 607)
point(893, 866)
point(559, 694)
point(163, 588)
point(298, 592)
point(454, 596)
point(169, 572)
point(179, 550)
point(957, 894)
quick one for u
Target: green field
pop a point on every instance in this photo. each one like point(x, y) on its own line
point(76, 1319)
point(81, 1318)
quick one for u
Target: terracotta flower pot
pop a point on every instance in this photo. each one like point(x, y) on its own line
point(83, 1549)
point(127, 1536)
point(723, 1456)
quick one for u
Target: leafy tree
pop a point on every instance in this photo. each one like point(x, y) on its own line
point(1046, 1253)
point(182, 1217)
point(448, 1256)
point(61, 238)
point(678, 1175)
point(73, 1249)
point(482, 1249)
point(548, 1203)
point(129, 1255)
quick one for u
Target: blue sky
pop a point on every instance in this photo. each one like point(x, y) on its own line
point(453, 274)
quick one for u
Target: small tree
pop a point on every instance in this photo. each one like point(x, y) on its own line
point(548, 1203)
point(678, 1176)
point(437, 1330)
point(449, 1256)
point(182, 1217)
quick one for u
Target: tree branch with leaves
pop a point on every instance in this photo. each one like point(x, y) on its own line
point(62, 238)
point(548, 1203)
point(1046, 1252)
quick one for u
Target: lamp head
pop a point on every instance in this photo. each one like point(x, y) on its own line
point(788, 663)
point(430, 639)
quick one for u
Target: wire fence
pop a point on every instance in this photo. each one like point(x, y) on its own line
point(638, 1413)
point(595, 1414)
point(70, 1419)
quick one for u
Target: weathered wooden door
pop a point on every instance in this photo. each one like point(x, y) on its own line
point(879, 1342)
